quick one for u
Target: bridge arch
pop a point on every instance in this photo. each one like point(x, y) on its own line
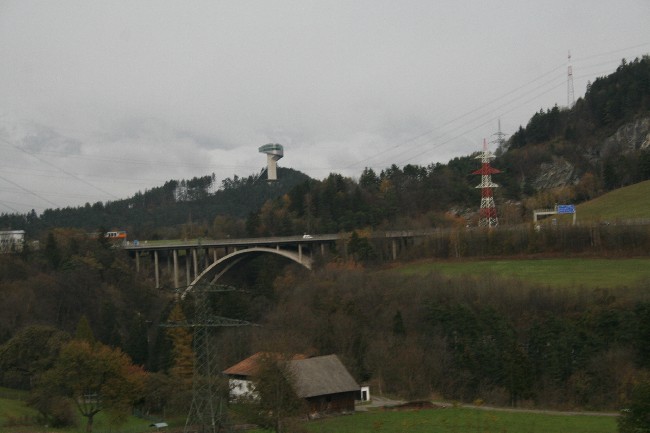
point(213, 272)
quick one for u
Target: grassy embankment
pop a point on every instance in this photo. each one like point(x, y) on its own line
point(590, 273)
point(626, 203)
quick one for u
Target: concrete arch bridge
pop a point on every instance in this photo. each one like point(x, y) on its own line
point(206, 260)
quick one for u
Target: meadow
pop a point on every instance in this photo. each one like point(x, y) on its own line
point(464, 420)
point(560, 273)
point(16, 417)
point(620, 204)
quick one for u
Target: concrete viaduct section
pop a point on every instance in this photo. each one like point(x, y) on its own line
point(190, 260)
point(202, 256)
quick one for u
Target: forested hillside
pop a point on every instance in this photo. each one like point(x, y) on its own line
point(504, 342)
point(179, 208)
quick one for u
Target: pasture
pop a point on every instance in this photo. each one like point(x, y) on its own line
point(625, 203)
point(464, 420)
point(594, 273)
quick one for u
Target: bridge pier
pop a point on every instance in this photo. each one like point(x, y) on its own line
point(175, 255)
point(156, 270)
point(195, 263)
point(187, 267)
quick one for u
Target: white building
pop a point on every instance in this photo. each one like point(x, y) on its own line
point(12, 241)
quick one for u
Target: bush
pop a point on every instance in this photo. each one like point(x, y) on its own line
point(636, 417)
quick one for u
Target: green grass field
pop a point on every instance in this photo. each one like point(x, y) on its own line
point(630, 202)
point(14, 413)
point(463, 420)
point(17, 417)
point(561, 273)
point(449, 420)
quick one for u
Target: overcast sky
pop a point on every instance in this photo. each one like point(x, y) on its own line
point(102, 99)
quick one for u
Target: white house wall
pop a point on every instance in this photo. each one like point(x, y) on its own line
point(240, 388)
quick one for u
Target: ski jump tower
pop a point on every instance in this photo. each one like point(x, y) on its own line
point(488, 212)
point(273, 152)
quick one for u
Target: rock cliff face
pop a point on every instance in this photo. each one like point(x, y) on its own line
point(631, 137)
point(560, 172)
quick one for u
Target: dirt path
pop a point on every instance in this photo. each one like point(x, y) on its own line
point(544, 411)
point(377, 401)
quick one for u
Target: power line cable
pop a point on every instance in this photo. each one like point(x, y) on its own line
point(477, 126)
point(4, 203)
point(493, 118)
point(62, 170)
point(449, 122)
point(29, 192)
point(561, 66)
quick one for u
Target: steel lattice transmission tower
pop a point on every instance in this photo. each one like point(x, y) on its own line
point(208, 410)
point(488, 212)
point(570, 97)
point(499, 138)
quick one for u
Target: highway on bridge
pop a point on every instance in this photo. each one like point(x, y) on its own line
point(265, 241)
point(221, 243)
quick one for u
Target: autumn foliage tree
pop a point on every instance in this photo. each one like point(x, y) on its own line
point(95, 378)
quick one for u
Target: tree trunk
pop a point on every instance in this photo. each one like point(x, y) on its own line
point(89, 424)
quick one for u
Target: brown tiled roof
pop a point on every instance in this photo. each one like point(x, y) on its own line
point(321, 375)
point(250, 365)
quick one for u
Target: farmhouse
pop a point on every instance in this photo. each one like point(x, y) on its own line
point(242, 374)
point(323, 381)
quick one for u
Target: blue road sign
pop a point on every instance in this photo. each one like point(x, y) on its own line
point(566, 208)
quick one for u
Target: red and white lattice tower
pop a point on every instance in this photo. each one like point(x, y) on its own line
point(488, 212)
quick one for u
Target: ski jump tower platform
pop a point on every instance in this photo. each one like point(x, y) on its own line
point(273, 152)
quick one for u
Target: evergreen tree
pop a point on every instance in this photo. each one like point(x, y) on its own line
point(183, 366)
point(84, 331)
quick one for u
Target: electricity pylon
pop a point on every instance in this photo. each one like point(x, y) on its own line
point(208, 411)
